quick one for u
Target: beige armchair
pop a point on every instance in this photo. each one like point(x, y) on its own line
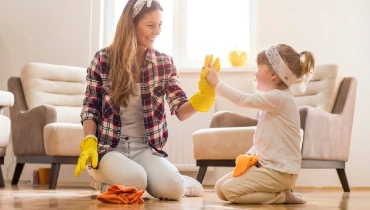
point(326, 119)
point(45, 118)
point(6, 100)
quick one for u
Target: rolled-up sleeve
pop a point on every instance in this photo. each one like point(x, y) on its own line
point(92, 102)
point(175, 95)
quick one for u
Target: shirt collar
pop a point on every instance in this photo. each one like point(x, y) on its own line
point(150, 56)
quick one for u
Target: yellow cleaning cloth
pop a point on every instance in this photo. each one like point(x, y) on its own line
point(242, 163)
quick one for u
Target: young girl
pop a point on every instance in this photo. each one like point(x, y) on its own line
point(276, 142)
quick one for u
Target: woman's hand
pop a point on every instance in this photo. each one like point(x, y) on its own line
point(212, 76)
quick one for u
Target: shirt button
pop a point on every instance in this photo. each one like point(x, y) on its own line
point(126, 138)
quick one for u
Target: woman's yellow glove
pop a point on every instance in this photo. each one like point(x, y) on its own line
point(202, 100)
point(89, 153)
point(242, 163)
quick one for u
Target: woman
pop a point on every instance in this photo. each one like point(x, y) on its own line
point(123, 112)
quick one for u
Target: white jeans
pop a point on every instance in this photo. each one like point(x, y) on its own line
point(132, 163)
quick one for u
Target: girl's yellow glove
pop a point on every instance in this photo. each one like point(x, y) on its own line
point(89, 153)
point(202, 100)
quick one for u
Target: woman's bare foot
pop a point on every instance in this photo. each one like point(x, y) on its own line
point(293, 197)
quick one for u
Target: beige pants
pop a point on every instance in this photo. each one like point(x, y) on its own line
point(256, 185)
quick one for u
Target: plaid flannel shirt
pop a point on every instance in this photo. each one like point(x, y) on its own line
point(159, 79)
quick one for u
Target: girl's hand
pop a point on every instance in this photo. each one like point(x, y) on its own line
point(212, 76)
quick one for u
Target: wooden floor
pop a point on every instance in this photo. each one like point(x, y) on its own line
point(31, 197)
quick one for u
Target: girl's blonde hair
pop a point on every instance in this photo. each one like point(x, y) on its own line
point(123, 64)
point(299, 63)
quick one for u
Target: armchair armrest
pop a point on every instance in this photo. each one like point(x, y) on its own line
point(28, 129)
point(209, 143)
point(231, 119)
point(326, 136)
point(6, 99)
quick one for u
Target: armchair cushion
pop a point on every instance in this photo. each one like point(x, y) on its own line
point(63, 139)
point(222, 143)
point(320, 91)
point(60, 86)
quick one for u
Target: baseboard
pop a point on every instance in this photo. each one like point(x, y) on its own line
point(328, 188)
point(308, 188)
point(8, 181)
point(302, 188)
point(64, 183)
point(191, 168)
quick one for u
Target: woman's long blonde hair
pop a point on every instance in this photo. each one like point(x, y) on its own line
point(123, 64)
point(299, 63)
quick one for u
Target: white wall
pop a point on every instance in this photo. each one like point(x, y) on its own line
point(47, 31)
point(336, 31)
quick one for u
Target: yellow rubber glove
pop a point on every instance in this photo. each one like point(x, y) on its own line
point(89, 153)
point(202, 100)
point(242, 163)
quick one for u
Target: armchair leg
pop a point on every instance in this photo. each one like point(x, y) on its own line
point(17, 173)
point(2, 183)
point(54, 174)
point(343, 179)
point(201, 173)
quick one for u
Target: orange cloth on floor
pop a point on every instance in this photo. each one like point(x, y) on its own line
point(122, 194)
point(242, 163)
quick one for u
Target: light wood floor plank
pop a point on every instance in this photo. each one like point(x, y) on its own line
point(69, 198)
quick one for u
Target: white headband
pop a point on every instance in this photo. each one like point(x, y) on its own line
point(279, 66)
point(140, 4)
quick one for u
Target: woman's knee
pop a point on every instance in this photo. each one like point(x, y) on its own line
point(170, 186)
point(126, 172)
point(164, 180)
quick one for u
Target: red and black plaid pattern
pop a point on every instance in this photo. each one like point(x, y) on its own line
point(159, 80)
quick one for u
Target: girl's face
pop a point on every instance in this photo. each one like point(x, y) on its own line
point(265, 77)
point(148, 28)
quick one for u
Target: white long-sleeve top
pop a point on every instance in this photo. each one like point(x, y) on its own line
point(276, 141)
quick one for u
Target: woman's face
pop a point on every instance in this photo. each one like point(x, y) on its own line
point(148, 28)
